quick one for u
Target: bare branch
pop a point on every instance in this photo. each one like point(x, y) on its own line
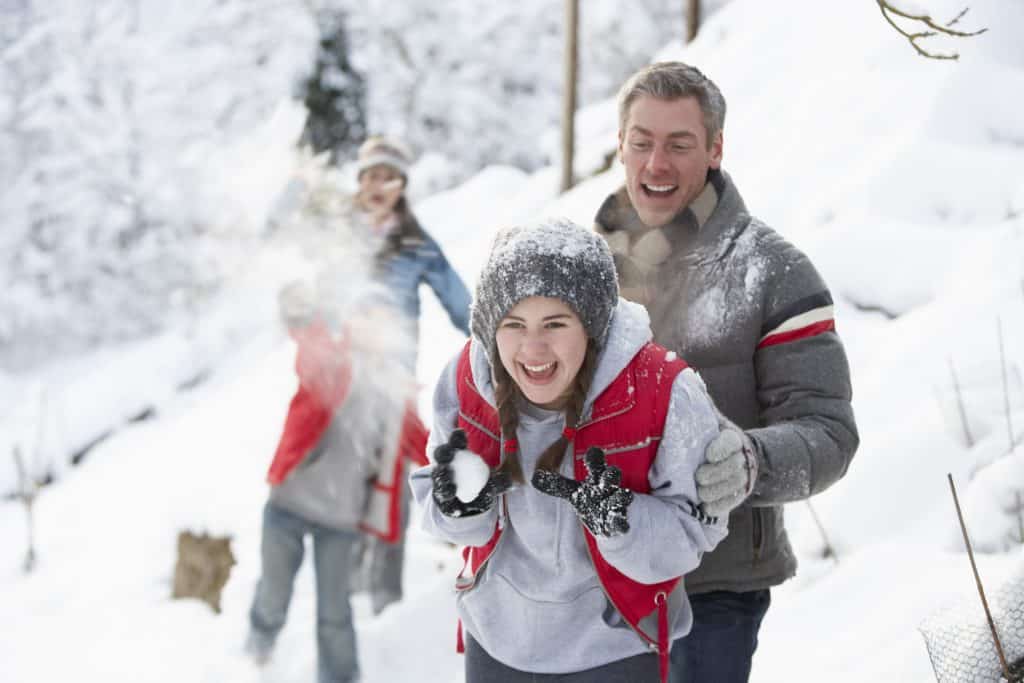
point(960, 405)
point(934, 28)
point(27, 489)
point(829, 550)
point(1020, 517)
point(1006, 386)
point(956, 20)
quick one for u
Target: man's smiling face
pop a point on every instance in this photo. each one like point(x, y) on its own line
point(665, 150)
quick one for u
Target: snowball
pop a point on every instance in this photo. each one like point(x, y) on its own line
point(471, 474)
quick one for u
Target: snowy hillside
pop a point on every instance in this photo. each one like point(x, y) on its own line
point(900, 176)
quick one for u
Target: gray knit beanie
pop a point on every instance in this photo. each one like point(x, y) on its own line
point(554, 258)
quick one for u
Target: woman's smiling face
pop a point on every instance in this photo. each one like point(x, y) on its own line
point(542, 344)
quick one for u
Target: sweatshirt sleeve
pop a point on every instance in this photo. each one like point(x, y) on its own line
point(667, 534)
point(475, 530)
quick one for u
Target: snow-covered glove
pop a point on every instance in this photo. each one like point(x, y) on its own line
point(444, 487)
point(727, 475)
point(600, 502)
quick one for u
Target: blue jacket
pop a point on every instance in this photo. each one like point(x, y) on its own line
point(410, 257)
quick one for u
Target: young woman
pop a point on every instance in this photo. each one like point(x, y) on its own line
point(577, 541)
point(406, 255)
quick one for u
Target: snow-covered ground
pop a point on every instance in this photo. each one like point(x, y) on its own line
point(900, 176)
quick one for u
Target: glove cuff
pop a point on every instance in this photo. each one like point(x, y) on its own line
point(750, 462)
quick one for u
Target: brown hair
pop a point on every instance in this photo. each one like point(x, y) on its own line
point(507, 395)
point(672, 81)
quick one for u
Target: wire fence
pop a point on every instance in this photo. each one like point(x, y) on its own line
point(959, 639)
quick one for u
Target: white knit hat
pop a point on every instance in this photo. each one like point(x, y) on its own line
point(378, 149)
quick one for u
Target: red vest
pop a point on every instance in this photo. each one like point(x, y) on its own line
point(627, 421)
point(324, 369)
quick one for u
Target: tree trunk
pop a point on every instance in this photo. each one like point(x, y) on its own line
point(692, 19)
point(569, 103)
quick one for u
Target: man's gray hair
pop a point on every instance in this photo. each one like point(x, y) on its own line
point(672, 81)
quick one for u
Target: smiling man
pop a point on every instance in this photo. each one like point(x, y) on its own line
point(751, 313)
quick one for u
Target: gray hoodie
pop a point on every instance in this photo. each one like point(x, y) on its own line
point(538, 605)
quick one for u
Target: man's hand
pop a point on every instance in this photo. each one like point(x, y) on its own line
point(727, 475)
point(600, 502)
point(443, 479)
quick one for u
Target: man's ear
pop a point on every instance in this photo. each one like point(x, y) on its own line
point(716, 150)
point(618, 152)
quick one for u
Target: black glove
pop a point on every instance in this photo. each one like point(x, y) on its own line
point(599, 501)
point(443, 479)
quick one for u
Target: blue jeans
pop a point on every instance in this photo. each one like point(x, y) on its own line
point(721, 644)
point(383, 562)
point(282, 552)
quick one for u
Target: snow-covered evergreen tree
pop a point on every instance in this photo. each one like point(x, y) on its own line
point(334, 93)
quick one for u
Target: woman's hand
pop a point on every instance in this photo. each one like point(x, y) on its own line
point(444, 486)
point(600, 502)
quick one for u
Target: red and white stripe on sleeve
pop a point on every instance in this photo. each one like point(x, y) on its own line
point(805, 318)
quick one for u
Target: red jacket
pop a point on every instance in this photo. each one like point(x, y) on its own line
point(323, 365)
point(627, 421)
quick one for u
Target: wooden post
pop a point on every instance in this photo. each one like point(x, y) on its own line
point(692, 19)
point(981, 589)
point(572, 13)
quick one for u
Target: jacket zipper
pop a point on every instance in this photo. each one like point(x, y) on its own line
point(652, 644)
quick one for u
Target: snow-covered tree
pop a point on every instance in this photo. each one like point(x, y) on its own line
point(111, 110)
point(481, 83)
point(334, 94)
point(111, 107)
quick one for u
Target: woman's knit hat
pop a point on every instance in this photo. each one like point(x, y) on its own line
point(378, 149)
point(554, 258)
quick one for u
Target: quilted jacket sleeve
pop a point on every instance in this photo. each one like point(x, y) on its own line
point(808, 434)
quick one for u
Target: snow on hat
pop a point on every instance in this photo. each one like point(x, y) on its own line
point(554, 258)
point(378, 149)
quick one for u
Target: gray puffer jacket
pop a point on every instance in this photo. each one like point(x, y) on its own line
point(750, 312)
